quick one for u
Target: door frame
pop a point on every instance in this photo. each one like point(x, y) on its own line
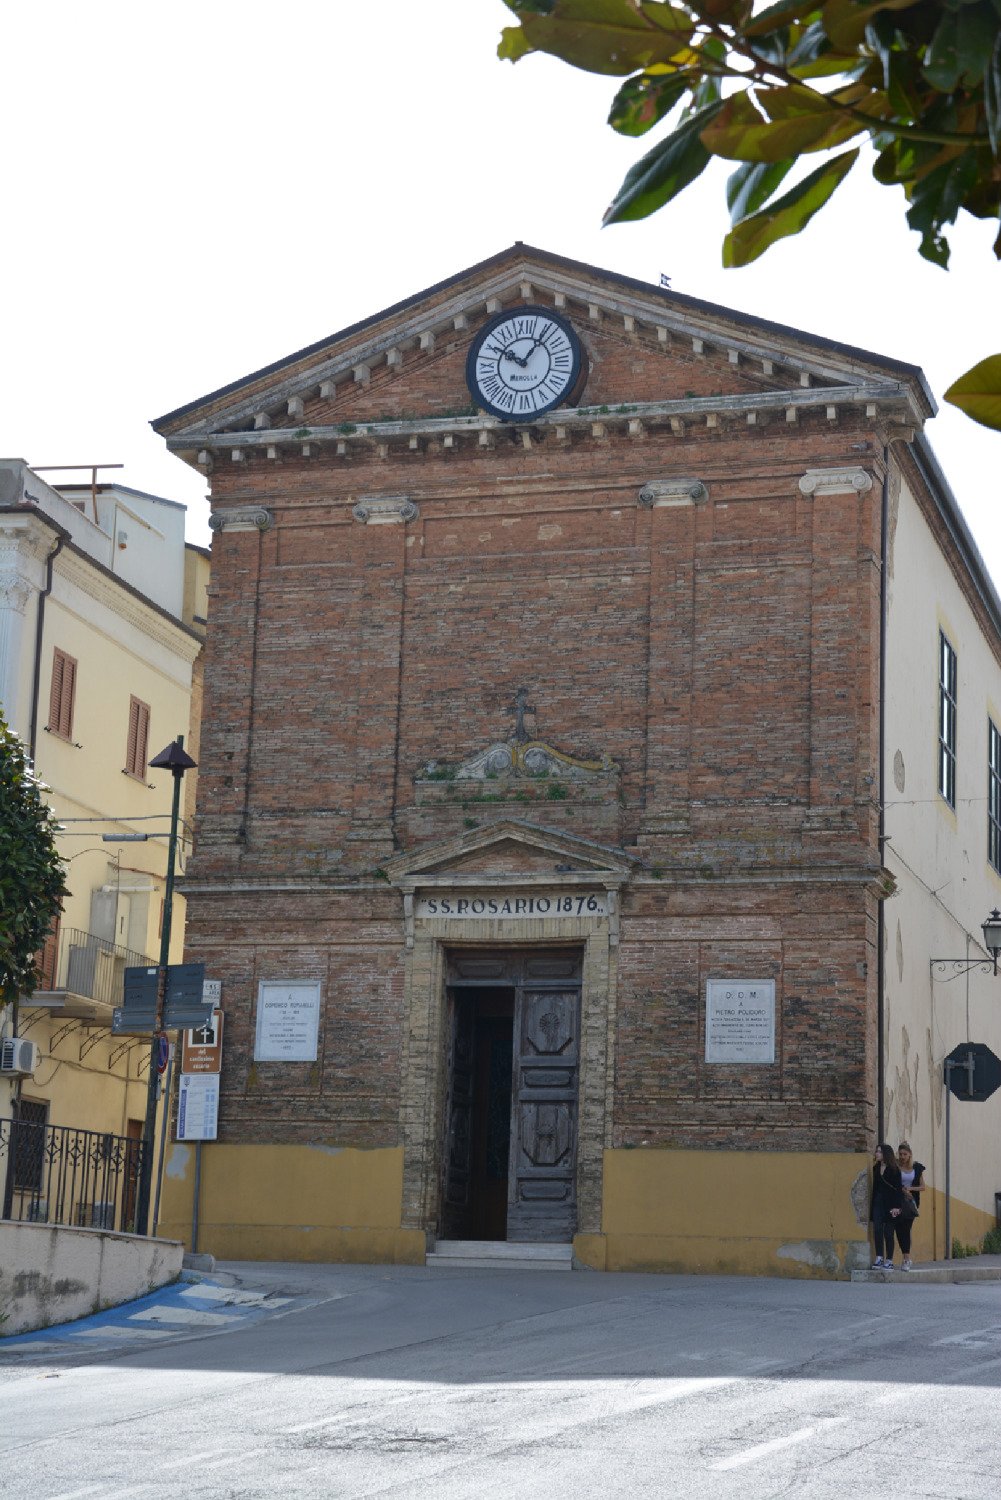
point(424, 1062)
point(516, 979)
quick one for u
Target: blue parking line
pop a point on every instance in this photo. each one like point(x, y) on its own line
point(178, 1296)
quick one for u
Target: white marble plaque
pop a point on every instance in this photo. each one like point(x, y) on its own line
point(515, 905)
point(288, 1021)
point(740, 1021)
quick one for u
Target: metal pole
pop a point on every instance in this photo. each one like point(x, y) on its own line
point(149, 1125)
point(948, 1162)
point(163, 1139)
point(198, 1193)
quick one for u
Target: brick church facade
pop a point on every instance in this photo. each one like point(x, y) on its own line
point(541, 824)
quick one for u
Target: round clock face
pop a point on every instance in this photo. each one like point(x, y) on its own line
point(523, 363)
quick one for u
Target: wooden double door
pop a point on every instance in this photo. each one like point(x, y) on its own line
point(510, 1148)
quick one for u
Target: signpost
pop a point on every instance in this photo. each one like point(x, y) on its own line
point(198, 1098)
point(973, 1073)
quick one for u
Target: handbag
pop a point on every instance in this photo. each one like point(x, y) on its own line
point(909, 1209)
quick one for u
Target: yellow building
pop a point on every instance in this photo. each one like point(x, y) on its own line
point(102, 609)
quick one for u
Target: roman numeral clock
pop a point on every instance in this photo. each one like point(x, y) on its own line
point(524, 363)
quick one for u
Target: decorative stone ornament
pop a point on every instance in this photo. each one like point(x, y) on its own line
point(382, 510)
point(524, 363)
point(835, 482)
point(242, 518)
point(662, 492)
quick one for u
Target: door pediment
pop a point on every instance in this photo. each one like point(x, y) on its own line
point(508, 852)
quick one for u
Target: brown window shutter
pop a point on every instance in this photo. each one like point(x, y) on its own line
point(56, 690)
point(68, 699)
point(142, 745)
point(130, 749)
point(62, 694)
point(47, 957)
point(136, 752)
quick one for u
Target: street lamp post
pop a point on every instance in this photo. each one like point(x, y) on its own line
point(176, 760)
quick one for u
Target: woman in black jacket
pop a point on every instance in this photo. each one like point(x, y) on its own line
point(885, 1204)
point(912, 1179)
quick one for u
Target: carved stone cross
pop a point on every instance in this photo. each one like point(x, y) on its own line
point(521, 708)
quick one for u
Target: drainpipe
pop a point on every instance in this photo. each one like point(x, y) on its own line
point(884, 529)
point(39, 627)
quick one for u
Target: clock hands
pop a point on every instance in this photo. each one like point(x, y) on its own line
point(507, 354)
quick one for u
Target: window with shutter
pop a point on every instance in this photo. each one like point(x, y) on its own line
point(136, 749)
point(47, 958)
point(62, 694)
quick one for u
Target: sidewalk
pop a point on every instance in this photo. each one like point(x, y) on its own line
point(972, 1268)
point(196, 1306)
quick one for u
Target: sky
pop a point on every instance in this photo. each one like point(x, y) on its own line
point(196, 190)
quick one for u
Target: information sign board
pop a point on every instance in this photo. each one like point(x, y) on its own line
point(740, 1021)
point(201, 1047)
point(198, 1107)
point(288, 1021)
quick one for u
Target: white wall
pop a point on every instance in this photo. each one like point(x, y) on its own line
point(938, 856)
point(50, 1273)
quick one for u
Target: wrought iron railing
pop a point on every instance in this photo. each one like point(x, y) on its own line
point(85, 964)
point(55, 1174)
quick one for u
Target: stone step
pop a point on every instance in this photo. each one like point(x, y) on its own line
point(499, 1255)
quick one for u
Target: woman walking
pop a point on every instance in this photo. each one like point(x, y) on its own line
point(885, 1204)
point(912, 1180)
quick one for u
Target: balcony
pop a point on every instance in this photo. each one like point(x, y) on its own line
point(83, 975)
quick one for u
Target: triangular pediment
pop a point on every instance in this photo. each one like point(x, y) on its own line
point(508, 850)
point(401, 373)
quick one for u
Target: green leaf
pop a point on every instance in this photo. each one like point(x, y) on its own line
point(978, 392)
point(961, 46)
point(775, 16)
point(992, 97)
point(791, 213)
point(662, 173)
point(513, 45)
point(845, 22)
point(645, 99)
point(600, 36)
point(936, 199)
point(797, 120)
point(752, 184)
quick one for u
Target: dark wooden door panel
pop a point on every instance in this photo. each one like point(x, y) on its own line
point(456, 1193)
point(542, 1203)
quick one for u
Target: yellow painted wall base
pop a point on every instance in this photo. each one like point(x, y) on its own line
point(301, 1203)
point(733, 1212)
point(748, 1213)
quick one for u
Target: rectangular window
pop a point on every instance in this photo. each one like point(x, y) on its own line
point(62, 694)
point(994, 795)
point(947, 686)
point(28, 1142)
point(136, 751)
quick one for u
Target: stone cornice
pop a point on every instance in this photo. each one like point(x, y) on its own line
point(104, 588)
point(591, 296)
point(705, 410)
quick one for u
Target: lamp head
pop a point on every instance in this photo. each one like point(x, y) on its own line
point(992, 936)
point(174, 758)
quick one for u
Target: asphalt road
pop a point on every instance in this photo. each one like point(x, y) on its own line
point(402, 1382)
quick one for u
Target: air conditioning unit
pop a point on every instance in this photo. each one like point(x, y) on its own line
point(18, 1057)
